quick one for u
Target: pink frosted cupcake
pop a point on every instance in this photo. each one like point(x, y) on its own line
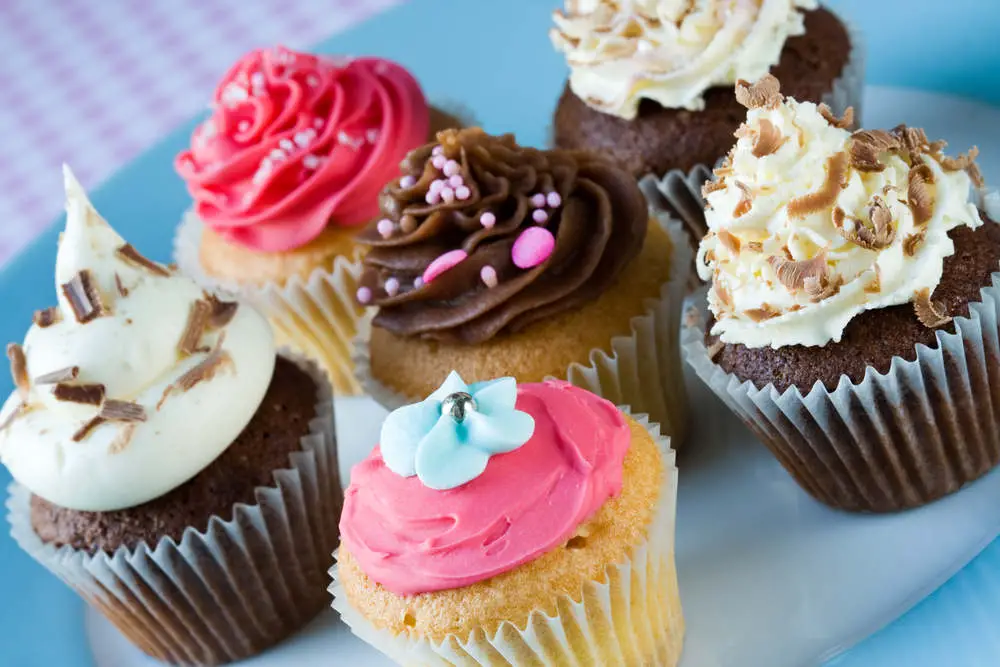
point(283, 173)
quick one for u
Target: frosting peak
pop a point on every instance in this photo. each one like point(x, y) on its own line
point(811, 224)
point(134, 382)
point(670, 51)
point(413, 539)
point(297, 142)
point(481, 236)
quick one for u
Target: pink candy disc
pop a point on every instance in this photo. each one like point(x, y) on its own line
point(532, 247)
point(445, 262)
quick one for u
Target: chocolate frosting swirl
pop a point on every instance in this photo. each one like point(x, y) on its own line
point(488, 195)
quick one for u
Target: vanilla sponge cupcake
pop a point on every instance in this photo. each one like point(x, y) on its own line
point(854, 304)
point(283, 174)
point(504, 522)
point(169, 465)
point(495, 259)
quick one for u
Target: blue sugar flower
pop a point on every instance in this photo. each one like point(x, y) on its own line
point(447, 439)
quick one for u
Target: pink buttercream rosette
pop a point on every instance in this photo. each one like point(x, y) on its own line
point(296, 142)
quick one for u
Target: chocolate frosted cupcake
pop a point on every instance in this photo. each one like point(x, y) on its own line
point(168, 466)
point(650, 83)
point(455, 553)
point(855, 305)
point(495, 259)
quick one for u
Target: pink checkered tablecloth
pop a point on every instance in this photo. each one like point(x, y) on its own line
point(94, 82)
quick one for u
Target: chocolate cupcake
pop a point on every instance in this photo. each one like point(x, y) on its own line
point(855, 305)
point(168, 465)
point(494, 259)
point(651, 83)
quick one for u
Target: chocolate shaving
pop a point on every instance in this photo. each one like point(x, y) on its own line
point(975, 175)
point(918, 195)
point(87, 427)
point(84, 297)
point(19, 369)
point(931, 314)
point(867, 145)
point(765, 94)
point(122, 290)
point(878, 236)
point(793, 274)
point(123, 438)
point(913, 140)
point(197, 321)
point(844, 123)
point(86, 393)
point(722, 294)
point(755, 246)
point(765, 312)
point(836, 173)
point(14, 414)
point(714, 349)
point(769, 139)
point(729, 241)
point(122, 411)
point(205, 370)
point(708, 187)
point(822, 287)
point(46, 317)
point(222, 311)
point(132, 256)
point(67, 374)
point(913, 241)
point(746, 200)
point(960, 162)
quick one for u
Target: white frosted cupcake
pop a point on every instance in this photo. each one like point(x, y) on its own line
point(169, 465)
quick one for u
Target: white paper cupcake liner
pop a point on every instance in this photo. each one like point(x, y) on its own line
point(233, 590)
point(316, 315)
point(643, 370)
point(632, 617)
point(893, 441)
point(678, 193)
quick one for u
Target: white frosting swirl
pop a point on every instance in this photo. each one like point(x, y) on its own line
point(133, 352)
point(670, 51)
point(745, 280)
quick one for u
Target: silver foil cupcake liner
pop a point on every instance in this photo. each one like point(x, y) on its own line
point(233, 590)
point(892, 441)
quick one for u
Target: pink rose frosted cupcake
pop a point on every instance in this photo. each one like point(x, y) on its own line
point(531, 521)
point(283, 173)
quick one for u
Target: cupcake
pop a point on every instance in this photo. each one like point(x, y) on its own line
point(650, 83)
point(169, 465)
point(854, 305)
point(515, 524)
point(494, 259)
point(283, 174)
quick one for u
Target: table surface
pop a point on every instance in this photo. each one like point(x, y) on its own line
point(94, 84)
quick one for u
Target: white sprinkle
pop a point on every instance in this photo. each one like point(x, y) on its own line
point(318, 123)
point(286, 145)
point(257, 78)
point(407, 182)
point(243, 126)
point(418, 282)
point(312, 80)
point(233, 93)
point(302, 138)
point(310, 161)
point(278, 155)
point(372, 136)
point(392, 287)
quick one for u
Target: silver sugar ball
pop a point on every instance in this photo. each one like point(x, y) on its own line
point(458, 405)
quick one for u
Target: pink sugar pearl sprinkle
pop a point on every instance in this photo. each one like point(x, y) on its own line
point(439, 161)
point(532, 247)
point(407, 182)
point(540, 216)
point(364, 295)
point(451, 168)
point(444, 262)
point(489, 276)
point(554, 200)
point(437, 150)
point(538, 200)
point(392, 287)
point(463, 192)
point(487, 220)
point(455, 181)
point(385, 227)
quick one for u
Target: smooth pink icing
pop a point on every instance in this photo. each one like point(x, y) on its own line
point(412, 539)
point(333, 132)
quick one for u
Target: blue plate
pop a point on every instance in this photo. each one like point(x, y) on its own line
point(496, 59)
